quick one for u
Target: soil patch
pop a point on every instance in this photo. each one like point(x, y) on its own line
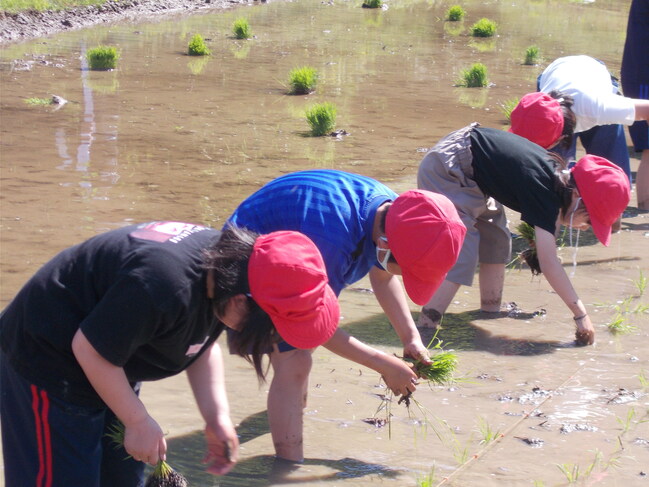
point(32, 24)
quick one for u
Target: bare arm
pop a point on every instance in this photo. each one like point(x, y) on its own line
point(207, 380)
point(391, 296)
point(144, 439)
point(398, 375)
point(560, 282)
point(641, 109)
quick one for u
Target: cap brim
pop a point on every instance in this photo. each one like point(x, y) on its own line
point(601, 231)
point(420, 291)
point(314, 332)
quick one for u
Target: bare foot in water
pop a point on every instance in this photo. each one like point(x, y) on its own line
point(429, 318)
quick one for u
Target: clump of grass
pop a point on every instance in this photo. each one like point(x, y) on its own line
point(241, 28)
point(372, 3)
point(302, 80)
point(487, 433)
point(474, 77)
point(102, 58)
point(483, 28)
point(507, 107)
point(439, 371)
point(428, 480)
point(529, 255)
point(531, 56)
point(455, 13)
point(162, 476)
point(321, 118)
point(197, 46)
point(39, 101)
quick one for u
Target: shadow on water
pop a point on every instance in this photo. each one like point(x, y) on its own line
point(458, 332)
point(185, 454)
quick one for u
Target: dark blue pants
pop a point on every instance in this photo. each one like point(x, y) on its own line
point(47, 442)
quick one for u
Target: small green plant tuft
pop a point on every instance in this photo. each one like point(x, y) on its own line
point(455, 13)
point(302, 80)
point(372, 3)
point(487, 433)
point(474, 77)
point(241, 28)
point(39, 101)
point(641, 284)
point(483, 28)
point(531, 56)
point(197, 46)
point(507, 107)
point(102, 58)
point(321, 118)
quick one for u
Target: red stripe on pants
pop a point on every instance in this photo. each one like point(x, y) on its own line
point(43, 437)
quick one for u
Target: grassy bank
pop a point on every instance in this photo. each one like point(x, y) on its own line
point(14, 6)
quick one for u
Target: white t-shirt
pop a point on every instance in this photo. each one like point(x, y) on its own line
point(589, 83)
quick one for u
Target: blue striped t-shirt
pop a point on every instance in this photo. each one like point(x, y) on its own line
point(335, 209)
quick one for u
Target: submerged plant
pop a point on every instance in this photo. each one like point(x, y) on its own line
point(641, 284)
point(455, 13)
point(483, 28)
point(162, 476)
point(302, 80)
point(487, 433)
point(321, 118)
point(531, 56)
point(372, 3)
point(197, 46)
point(102, 57)
point(474, 77)
point(241, 28)
point(39, 101)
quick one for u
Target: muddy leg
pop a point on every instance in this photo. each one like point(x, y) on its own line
point(492, 278)
point(431, 313)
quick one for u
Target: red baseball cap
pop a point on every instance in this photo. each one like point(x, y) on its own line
point(425, 235)
point(288, 280)
point(538, 117)
point(606, 192)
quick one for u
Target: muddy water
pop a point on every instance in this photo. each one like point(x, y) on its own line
point(166, 136)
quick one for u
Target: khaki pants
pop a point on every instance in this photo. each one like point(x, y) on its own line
point(447, 169)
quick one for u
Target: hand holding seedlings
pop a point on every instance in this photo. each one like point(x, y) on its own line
point(144, 441)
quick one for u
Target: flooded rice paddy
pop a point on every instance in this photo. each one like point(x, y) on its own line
point(168, 136)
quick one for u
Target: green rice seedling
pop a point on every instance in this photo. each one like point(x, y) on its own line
point(529, 255)
point(507, 107)
point(241, 28)
point(455, 13)
point(372, 4)
point(302, 80)
point(483, 28)
point(627, 422)
point(439, 371)
point(531, 56)
point(620, 325)
point(474, 77)
point(429, 480)
point(39, 101)
point(487, 433)
point(571, 471)
point(162, 476)
point(641, 284)
point(321, 118)
point(644, 380)
point(102, 58)
point(197, 46)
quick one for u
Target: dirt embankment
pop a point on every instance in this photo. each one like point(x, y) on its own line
point(32, 24)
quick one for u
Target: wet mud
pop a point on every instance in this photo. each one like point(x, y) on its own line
point(166, 136)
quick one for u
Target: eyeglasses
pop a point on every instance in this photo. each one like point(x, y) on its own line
point(387, 253)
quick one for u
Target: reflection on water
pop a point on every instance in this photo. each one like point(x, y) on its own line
point(168, 137)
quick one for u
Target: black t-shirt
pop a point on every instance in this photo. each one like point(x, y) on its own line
point(516, 173)
point(139, 295)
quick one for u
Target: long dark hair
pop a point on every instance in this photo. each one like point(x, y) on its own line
point(569, 118)
point(564, 183)
point(228, 259)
